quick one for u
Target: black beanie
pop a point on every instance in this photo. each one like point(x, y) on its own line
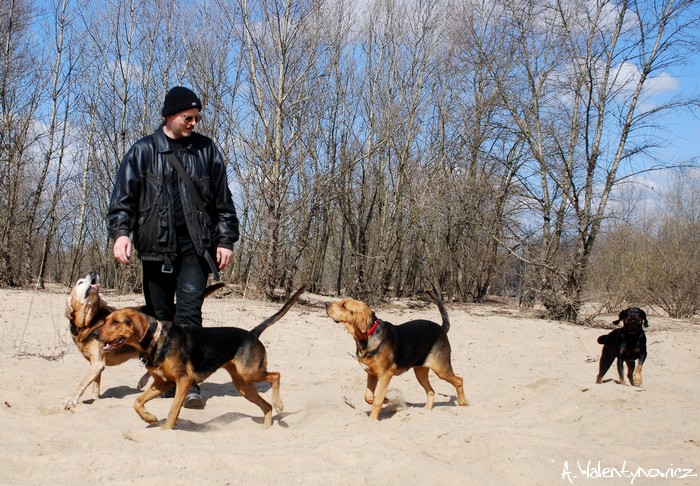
point(179, 99)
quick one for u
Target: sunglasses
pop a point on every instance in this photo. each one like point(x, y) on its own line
point(191, 118)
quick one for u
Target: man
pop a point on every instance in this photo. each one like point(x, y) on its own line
point(182, 219)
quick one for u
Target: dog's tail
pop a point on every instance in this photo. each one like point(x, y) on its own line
point(441, 308)
point(278, 315)
point(213, 288)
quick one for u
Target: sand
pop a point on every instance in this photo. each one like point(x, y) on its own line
point(536, 415)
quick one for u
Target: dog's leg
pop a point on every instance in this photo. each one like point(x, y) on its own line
point(606, 360)
point(638, 372)
point(621, 370)
point(457, 382)
point(246, 387)
point(273, 378)
point(158, 387)
point(630, 371)
point(251, 394)
point(371, 386)
point(447, 373)
point(182, 387)
point(96, 385)
point(422, 376)
point(380, 394)
point(97, 365)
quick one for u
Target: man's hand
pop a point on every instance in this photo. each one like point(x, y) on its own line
point(224, 257)
point(122, 249)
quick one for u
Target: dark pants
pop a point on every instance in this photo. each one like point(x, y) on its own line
point(186, 283)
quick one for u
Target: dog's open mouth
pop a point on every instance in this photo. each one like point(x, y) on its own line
point(113, 344)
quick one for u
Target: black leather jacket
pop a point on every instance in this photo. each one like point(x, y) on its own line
point(142, 203)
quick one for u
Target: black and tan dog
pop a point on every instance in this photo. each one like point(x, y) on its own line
point(86, 311)
point(183, 355)
point(626, 344)
point(386, 350)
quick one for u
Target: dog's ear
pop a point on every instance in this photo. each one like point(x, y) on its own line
point(359, 319)
point(130, 316)
point(119, 316)
point(361, 315)
point(89, 311)
point(622, 316)
point(70, 313)
point(645, 322)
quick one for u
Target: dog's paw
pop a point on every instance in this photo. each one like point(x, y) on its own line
point(370, 399)
point(267, 420)
point(69, 403)
point(148, 417)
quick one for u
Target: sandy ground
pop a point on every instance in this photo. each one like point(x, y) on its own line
point(536, 415)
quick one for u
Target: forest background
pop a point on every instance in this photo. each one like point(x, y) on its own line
point(516, 148)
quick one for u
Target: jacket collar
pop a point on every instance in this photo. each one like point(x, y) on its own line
point(160, 141)
point(162, 145)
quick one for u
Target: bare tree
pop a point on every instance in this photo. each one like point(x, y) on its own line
point(279, 54)
point(55, 144)
point(652, 259)
point(374, 147)
point(578, 79)
point(20, 88)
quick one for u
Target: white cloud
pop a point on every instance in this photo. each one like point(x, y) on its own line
point(661, 84)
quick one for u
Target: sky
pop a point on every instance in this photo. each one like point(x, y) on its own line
point(684, 127)
point(682, 130)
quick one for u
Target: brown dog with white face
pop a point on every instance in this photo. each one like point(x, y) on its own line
point(184, 355)
point(386, 350)
point(86, 311)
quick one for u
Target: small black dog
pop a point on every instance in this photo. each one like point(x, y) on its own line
point(626, 344)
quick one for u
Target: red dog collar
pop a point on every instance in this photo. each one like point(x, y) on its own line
point(373, 328)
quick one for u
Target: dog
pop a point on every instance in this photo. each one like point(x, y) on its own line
point(86, 311)
point(385, 350)
point(182, 355)
point(626, 344)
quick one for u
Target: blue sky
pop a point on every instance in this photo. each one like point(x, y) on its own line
point(684, 127)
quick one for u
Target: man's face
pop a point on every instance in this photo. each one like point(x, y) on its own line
point(182, 124)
